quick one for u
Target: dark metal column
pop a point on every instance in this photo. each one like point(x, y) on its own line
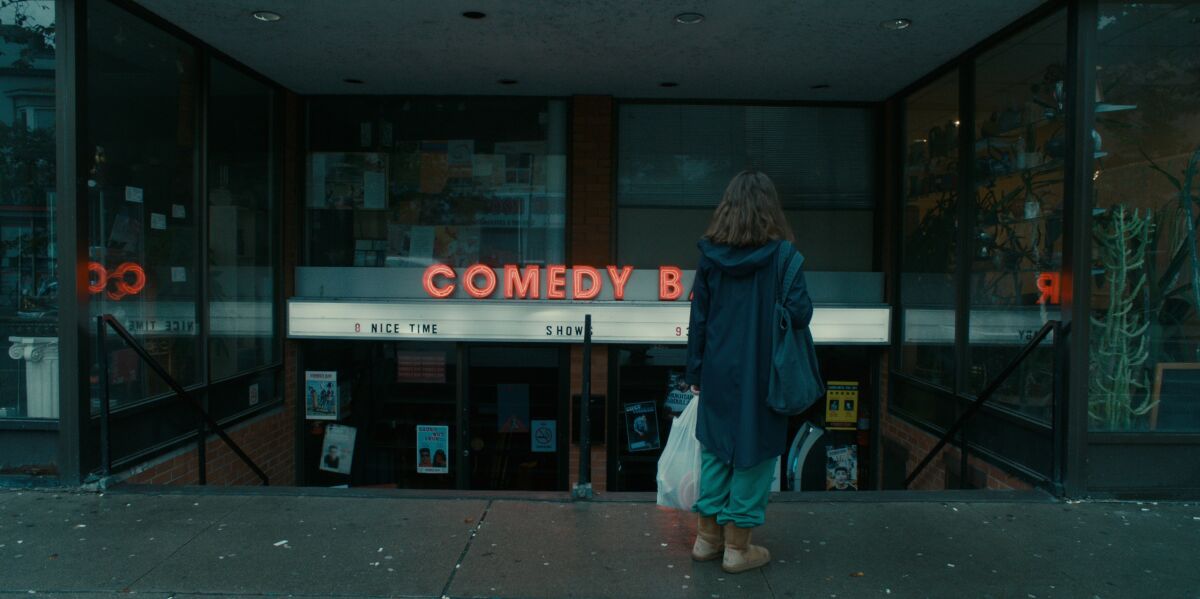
point(72, 158)
point(1077, 227)
point(583, 490)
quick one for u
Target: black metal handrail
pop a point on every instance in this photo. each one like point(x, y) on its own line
point(1060, 330)
point(103, 322)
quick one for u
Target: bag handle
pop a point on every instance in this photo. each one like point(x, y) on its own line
point(791, 269)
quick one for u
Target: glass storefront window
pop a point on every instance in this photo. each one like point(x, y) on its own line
point(1016, 253)
point(143, 115)
point(28, 281)
point(1146, 273)
point(929, 224)
point(242, 244)
point(411, 181)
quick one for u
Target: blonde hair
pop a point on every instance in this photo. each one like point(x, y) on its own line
point(749, 213)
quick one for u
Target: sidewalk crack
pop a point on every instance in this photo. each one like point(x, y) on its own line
point(466, 549)
point(166, 559)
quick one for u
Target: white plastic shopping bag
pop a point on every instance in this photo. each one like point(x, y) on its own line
point(679, 465)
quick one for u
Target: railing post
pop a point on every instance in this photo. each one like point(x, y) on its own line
point(583, 490)
point(964, 478)
point(102, 356)
point(1058, 409)
point(201, 454)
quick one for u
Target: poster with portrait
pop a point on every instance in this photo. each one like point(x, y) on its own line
point(641, 426)
point(679, 393)
point(433, 449)
point(337, 450)
point(320, 395)
point(841, 468)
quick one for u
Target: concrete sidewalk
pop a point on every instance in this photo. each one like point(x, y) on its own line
point(230, 544)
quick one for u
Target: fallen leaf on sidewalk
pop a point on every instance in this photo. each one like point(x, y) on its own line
point(858, 575)
point(468, 520)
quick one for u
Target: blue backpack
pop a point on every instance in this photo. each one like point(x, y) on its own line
point(795, 383)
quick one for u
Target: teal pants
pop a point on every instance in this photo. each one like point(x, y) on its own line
point(737, 496)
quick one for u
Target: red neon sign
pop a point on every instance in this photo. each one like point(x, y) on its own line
point(127, 279)
point(1048, 285)
point(585, 283)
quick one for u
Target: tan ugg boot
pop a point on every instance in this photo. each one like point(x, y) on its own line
point(740, 555)
point(710, 539)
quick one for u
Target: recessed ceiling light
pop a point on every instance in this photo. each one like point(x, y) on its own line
point(819, 86)
point(689, 18)
point(896, 24)
point(267, 16)
point(507, 81)
point(668, 84)
point(474, 14)
point(353, 81)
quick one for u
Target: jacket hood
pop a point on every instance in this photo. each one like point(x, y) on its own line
point(738, 261)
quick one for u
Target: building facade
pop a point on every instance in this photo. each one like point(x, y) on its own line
point(377, 285)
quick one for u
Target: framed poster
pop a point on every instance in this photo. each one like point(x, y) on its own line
point(337, 450)
point(641, 426)
point(433, 449)
point(679, 393)
point(841, 468)
point(320, 395)
point(1176, 397)
point(545, 436)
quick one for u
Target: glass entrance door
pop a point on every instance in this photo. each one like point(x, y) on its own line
point(516, 409)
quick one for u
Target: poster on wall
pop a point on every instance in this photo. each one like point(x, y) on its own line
point(841, 468)
point(544, 438)
point(433, 449)
point(641, 426)
point(679, 393)
point(343, 180)
point(337, 450)
point(320, 395)
point(512, 408)
point(841, 405)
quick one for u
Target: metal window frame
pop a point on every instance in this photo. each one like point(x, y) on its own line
point(73, 221)
point(1068, 467)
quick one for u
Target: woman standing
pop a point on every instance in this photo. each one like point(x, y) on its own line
point(729, 358)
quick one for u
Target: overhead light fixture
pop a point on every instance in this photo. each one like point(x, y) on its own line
point(896, 24)
point(689, 18)
point(267, 16)
point(353, 81)
point(819, 86)
point(507, 81)
point(668, 84)
point(474, 15)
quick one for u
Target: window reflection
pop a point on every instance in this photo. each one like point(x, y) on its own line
point(1146, 272)
point(1016, 252)
point(142, 90)
point(929, 228)
point(409, 182)
point(28, 281)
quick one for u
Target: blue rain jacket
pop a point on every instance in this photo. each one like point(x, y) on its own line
point(729, 349)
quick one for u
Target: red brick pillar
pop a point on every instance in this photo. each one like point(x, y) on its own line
point(591, 216)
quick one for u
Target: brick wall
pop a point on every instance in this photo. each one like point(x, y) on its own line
point(917, 443)
point(591, 243)
point(267, 439)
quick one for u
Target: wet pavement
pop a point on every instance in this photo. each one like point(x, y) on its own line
point(192, 543)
